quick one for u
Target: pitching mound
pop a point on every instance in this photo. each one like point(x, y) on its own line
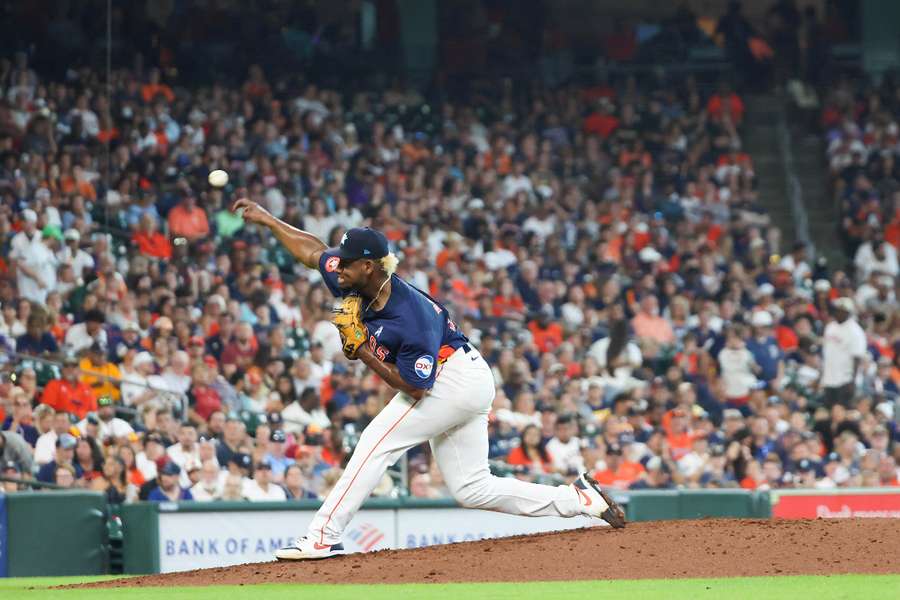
point(654, 549)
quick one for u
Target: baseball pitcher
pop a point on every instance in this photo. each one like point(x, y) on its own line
point(444, 391)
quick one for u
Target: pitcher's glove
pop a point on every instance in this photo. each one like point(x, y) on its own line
point(347, 317)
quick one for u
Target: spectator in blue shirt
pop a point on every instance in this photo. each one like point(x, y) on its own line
point(36, 340)
point(275, 456)
point(295, 484)
point(146, 206)
point(765, 349)
point(168, 489)
point(20, 420)
point(65, 454)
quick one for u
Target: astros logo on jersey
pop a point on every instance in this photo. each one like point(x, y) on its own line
point(332, 263)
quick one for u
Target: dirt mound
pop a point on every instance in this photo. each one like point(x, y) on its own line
point(654, 549)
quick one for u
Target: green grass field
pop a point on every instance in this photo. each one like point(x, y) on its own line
point(870, 587)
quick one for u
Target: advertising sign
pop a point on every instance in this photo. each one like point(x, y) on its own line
point(428, 527)
point(197, 540)
point(851, 504)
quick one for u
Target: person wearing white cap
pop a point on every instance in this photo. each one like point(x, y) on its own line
point(765, 290)
point(135, 387)
point(20, 250)
point(29, 235)
point(649, 254)
point(36, 267)
point(843, 349)
point(765, 350)
point(822, 286)
point(72, 254)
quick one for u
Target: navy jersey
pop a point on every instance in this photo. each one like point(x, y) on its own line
point(412, 331)
point(767, 354)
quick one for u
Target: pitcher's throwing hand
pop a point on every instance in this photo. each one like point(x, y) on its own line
point(251, 211)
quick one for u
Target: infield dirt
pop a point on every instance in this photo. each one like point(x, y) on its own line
point(652, 549)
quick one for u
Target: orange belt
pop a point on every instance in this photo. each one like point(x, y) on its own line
point(447, 351)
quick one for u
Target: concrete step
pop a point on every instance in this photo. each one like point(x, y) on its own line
point(761, 141)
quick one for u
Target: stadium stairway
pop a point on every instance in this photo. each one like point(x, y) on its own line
point(811, 170)
point(761, 140)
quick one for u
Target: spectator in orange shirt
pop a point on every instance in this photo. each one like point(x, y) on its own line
point(678, 434)
point(508, 304)
point(547, 334)
point(498, 157)
point(887, 471)
point(725, 101)
point(150, 241)
point(451, 251)
point(651, 330)
point(256, 86)
point(531, 452)
point(188, 220)
point(602, 122)
point(417, 150)
point(620, 472)
point(153, 88)
point(69, 394)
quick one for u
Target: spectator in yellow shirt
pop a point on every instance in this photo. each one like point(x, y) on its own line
point(101, 375)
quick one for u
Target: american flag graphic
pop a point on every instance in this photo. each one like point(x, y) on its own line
point(366, 536)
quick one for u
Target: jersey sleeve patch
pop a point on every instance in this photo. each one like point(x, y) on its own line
point(328, 264)
point(424, 365)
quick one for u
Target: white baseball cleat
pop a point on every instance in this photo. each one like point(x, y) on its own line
point(598, 503)
point(307, 549)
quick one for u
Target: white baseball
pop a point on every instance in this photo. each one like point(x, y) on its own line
point(218, 178)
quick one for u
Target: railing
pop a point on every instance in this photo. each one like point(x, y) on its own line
point(122, 410)
point(795, 190)
point(32, 483)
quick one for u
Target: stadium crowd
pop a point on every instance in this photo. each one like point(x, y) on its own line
point(602, 246)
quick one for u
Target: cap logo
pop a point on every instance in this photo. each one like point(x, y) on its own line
point(366, 252)
point(344, 239)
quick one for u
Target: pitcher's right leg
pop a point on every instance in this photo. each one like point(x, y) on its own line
point(461, 454)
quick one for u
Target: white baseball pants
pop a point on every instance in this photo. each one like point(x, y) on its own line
point(454, 417)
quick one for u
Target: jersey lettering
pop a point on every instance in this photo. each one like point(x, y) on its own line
point(378, 350)
point(436, 308)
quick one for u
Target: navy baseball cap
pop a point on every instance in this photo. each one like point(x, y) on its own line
point(241, 460)
point(170, 468)
point(362, 242)
point(805, 465)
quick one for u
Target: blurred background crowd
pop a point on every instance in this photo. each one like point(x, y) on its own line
point(602, 243)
